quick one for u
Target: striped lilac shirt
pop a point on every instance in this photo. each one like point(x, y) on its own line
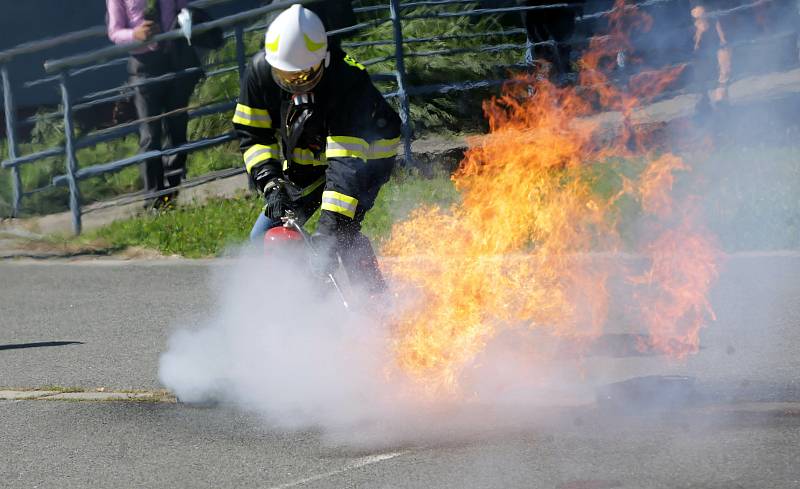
point(125, 15)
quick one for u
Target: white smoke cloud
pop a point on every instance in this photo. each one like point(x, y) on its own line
point(282, 347)
point(278, 347)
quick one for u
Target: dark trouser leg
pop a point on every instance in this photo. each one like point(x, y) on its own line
point(177, 97)
point(355, 249)
point(361, 264)
point(147, 100)
point(554, 25)
point(562, 31)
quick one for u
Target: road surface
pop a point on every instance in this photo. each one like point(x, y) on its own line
point(104, 323)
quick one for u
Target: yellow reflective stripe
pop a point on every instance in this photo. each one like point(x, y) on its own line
point(340, 203)
point(251, 111)
point(348, 140)
point(346, 146)
point(303, 156)
point(352, 62)
point(313, 186)
point(259, 153)
point(383, 148)
point(248, 116)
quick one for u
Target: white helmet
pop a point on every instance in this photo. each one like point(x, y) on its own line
point(296, 40)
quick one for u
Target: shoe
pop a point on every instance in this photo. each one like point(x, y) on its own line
point(159, 204)
point(152, 204)
point(168, 201)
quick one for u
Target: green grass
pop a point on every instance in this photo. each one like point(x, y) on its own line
point(208, 229)
point(748, 195)
point(752, 196)
point(192, 231)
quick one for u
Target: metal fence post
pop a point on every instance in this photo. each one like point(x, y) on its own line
point(242, 62)
point(240, 52)
point(72, 160)
point(400, 73)
point(11, 139)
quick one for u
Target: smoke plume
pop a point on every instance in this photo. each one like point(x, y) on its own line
point(503, 296)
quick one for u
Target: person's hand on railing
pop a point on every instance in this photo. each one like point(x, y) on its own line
point(146, 30)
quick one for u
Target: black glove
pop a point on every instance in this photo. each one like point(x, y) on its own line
point(276, 199)
point(262, 175)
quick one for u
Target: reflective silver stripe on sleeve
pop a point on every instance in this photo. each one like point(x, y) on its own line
point(259, 153)
point(383, 148)
point(346, 146)
point(303, 156)
point(339, 203)
point(254, 157)
point(253, 118)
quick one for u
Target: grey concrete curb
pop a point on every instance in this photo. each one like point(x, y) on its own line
point(22, 254)
point(763, 408)
point(97, 395)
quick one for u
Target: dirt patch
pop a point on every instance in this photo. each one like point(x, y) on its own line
point(41, 248)
point(139, 253)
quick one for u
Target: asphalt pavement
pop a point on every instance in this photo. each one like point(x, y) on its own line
point(103, 323)
point(115, 317)
point(84, 444)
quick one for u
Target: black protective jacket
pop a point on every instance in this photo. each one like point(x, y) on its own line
point(344, 143)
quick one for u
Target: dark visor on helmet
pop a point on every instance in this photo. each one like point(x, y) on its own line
point(298, 81)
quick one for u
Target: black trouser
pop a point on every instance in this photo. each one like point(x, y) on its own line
point(356, 251)
point(354, 177)
point(362, 180)
point(557, 25)
point(153, 100)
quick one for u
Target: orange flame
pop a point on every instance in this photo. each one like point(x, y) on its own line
point(673, 300)
point(538, 200)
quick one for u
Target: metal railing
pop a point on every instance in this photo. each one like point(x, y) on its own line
point(64, 71)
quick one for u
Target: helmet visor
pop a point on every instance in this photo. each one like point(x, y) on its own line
point(298, 81)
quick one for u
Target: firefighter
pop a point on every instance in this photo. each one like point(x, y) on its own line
point(315, 133)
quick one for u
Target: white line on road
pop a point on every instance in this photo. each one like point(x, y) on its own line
point(355, 464)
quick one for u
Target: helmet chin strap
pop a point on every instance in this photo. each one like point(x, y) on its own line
point(305, 98)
